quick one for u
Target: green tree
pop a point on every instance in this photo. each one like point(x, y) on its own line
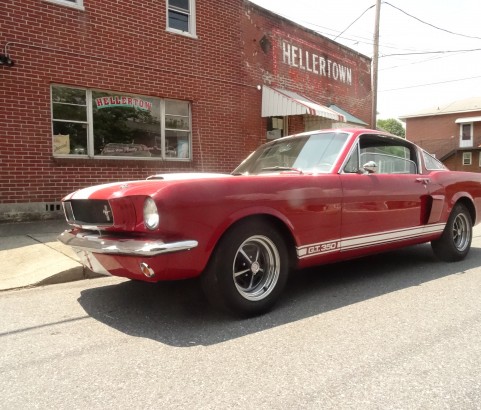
point(393, 126)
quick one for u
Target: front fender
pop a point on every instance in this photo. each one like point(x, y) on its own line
point(241, 214)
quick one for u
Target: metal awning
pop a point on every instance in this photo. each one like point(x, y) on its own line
point(277, 102)
point(349, 117)
point(467, 119)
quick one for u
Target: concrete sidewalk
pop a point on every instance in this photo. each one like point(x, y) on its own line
point(30, 255)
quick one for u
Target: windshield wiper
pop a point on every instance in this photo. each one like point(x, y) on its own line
point(278, 168)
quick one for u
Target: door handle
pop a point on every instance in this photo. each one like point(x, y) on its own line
point(424, 181)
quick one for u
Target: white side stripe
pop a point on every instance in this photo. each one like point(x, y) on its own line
point(364, 241)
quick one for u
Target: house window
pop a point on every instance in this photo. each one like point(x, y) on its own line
point(181, 16)
point(467, 158)
point(103, 124)
point(78, 4)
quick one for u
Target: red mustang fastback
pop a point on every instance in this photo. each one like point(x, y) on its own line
point(299, 201)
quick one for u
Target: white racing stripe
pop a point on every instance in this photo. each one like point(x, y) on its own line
point(364, 241)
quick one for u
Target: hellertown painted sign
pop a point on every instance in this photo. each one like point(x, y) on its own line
point(123, 101)
point(308, 61)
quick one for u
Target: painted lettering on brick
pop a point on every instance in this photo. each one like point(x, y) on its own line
point(308, 61)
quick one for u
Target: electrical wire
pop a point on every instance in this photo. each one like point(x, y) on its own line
point(426, 85)
point(347, 28)
point(429, 24)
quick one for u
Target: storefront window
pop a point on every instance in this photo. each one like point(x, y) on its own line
point(105, 124)
point(69, 121)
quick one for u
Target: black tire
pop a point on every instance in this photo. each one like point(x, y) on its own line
point(248, 269)
point(455, 242)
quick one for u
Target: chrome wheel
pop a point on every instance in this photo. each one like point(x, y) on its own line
point(461, 232)
point(455, 241)
point(256, 268)
point(248, 269)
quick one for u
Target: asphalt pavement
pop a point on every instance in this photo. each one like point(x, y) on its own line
point(30, 255)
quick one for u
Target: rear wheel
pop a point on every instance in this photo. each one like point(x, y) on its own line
point(455, 242)
point(248, 269)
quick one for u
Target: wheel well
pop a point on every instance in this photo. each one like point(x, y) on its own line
point(280, 226)
point(470, 207)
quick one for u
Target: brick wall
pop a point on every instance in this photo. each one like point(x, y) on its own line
point(122, 46)
point(265, 40)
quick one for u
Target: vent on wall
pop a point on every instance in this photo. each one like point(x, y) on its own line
point(52, 207)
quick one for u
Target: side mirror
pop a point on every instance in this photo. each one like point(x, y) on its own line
point(370, 167)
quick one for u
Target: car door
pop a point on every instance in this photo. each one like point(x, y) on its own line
point(383, 194)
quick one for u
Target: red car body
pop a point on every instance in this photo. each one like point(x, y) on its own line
point(321, 215)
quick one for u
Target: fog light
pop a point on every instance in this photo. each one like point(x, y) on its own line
point(147, 270)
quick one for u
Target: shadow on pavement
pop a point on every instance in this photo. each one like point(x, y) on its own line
point(177, 314)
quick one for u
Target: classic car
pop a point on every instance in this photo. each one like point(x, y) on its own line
point(299, 201)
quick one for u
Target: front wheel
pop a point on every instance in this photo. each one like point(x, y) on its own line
point(455, 242)
point(248, 269)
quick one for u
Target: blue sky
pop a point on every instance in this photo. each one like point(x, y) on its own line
point(410, 82)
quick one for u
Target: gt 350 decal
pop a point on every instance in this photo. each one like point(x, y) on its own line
point(317, 248)
point(364, 241)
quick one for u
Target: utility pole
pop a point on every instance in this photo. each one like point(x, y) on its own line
point(375, 59)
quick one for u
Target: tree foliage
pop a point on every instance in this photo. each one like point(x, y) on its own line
point(393, 126)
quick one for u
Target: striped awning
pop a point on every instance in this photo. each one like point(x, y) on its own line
point(277, 102)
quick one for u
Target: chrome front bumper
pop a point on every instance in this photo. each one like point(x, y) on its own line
point(95, 243)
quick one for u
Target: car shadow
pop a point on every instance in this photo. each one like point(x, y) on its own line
point(177, 314)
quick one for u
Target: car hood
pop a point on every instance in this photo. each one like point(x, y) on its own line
point(148, 186)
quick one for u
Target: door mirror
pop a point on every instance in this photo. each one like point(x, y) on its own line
point(370, 167)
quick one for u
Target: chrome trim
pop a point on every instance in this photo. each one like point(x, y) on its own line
point(93, 242)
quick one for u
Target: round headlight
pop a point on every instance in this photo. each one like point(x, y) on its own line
point(151, 214)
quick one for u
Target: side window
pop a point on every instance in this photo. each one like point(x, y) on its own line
point(181, 17)
point(432, 163)
point(352, 166)
point(390, 155)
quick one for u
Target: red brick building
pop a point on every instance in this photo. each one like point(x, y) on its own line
point(451, 132)
point(97, 91)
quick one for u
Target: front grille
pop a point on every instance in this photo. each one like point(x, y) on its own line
point(89, 211)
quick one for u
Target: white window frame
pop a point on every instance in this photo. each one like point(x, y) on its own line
point(90, 129)
point(466, 143)
point(77, 4)
point(467, 158)
point(191, 16)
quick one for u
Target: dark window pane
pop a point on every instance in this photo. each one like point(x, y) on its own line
point(181, 4)
point(69, 95)
point(69, 138)
point(177, 108)
point(177, 144)
point(176, 122)
point(178, 21)
point(126, 125)
point(69, 112)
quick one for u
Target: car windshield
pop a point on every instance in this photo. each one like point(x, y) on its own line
point(314, 153)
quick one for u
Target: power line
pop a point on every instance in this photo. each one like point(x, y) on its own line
point(426, 85)
point(429, 24)
point(347, 28)
point(432, 52)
